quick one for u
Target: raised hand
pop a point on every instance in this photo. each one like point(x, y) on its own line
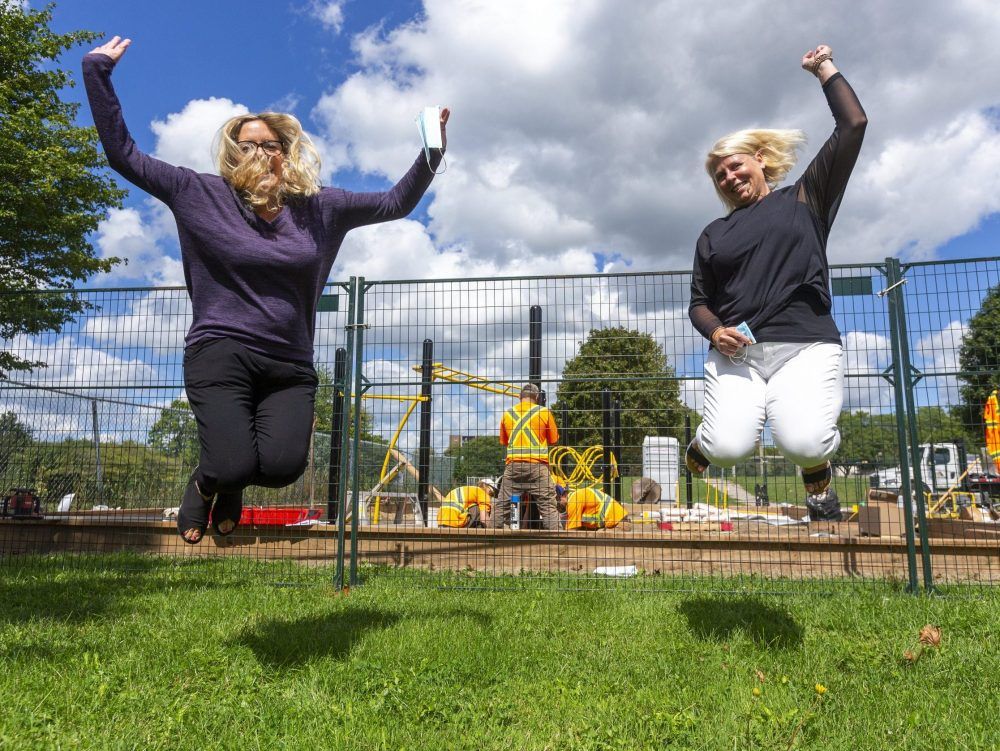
point(814, 58)
point(114, 48)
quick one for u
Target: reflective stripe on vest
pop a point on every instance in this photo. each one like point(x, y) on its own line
point(523, 442)
point(601, 516)
point(455, 500)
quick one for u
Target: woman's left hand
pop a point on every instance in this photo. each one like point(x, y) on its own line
point(445, 114)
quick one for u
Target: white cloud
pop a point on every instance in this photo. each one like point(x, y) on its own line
point(920, 192)
point(185, 138)
point(577, 125)
point(866, 356)
point(57, 401)
point(330, 13)
point(936, 355)
point(125, 235)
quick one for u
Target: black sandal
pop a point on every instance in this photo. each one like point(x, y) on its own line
point(818, 480)
point(695, 461)
point(193, 513)
point(228, 507)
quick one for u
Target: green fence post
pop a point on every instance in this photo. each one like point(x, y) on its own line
point(911, 419)
point(361, 385)
point(893, 283)
point(345, 461)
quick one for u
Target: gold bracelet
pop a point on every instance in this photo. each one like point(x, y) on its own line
point(818, 61)
point(711, 337)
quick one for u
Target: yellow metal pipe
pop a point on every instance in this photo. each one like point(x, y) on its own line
point(388, 454)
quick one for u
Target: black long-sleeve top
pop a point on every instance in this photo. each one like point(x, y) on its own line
point(766, 263)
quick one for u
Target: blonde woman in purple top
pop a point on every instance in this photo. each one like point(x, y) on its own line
point(257, 242)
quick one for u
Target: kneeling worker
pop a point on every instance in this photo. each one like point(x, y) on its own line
point(467, 506)
point(590, 508)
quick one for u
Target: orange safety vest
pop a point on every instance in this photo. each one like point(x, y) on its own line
point(455, 506)
point(529, 429)
point(593, 509)
point(991, 416)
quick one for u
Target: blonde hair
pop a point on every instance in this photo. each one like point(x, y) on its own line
point(777, 148)
point(252, 178)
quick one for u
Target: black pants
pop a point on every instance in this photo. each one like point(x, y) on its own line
point(254, 415)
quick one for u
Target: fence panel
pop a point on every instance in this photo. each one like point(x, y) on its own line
point(620, 366)
point(953, 321)
point(97, 447)
point(102, 438)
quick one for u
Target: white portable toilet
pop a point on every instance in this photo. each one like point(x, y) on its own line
point(661, 462)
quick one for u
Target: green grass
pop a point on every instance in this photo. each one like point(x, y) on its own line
point(785, 489)
point(142, 653)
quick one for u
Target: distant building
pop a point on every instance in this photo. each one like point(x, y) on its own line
point(456, 441)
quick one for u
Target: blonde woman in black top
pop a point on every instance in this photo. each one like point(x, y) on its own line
point(764, 265)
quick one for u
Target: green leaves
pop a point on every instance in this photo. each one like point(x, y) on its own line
point(55, 187)
point(633, 366)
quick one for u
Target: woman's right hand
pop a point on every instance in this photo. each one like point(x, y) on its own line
point(729, 341)
point(113, 49)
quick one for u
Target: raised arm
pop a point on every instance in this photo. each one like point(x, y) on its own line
point(397, 202)
point(825, 179)
point(157, 178)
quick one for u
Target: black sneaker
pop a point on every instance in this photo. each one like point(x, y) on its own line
point(824, 507)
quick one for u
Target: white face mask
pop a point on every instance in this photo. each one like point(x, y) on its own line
point(429, 127)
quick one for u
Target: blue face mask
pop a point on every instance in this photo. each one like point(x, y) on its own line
point(429, 127)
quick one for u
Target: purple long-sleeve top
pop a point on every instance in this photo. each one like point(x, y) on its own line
point(254, 281)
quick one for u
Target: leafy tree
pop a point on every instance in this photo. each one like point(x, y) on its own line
point(482, 456)
point(938, 425)
point(634, 367)
point(175, 433)
point(54, 190)
point(979, 359)
point(15, 437)
point(866, 441)
point(870, 441)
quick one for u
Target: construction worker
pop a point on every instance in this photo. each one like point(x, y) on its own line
point(528, 430)
point(590, 508)
point(467, 506)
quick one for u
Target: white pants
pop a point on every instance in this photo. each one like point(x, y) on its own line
point(798, 387)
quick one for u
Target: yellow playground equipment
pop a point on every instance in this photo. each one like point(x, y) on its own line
point(570, 467)
point(574, 470)
point(947, 504)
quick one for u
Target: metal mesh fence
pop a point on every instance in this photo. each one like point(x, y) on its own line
point(102, 443)
point(97, 446)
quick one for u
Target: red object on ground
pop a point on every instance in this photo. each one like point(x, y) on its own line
point(277, 516)
point(666, 526)
point(726, 526)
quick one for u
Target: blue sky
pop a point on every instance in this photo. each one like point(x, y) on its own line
point(539, 90)
point(576, 140)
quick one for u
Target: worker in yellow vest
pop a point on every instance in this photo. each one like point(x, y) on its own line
point(467, 506)
point(590, 508)
point(991, 416)
point(528, 430)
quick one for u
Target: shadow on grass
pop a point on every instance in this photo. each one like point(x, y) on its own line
point(285, 643)
point(76, 589)
point(718, 619)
